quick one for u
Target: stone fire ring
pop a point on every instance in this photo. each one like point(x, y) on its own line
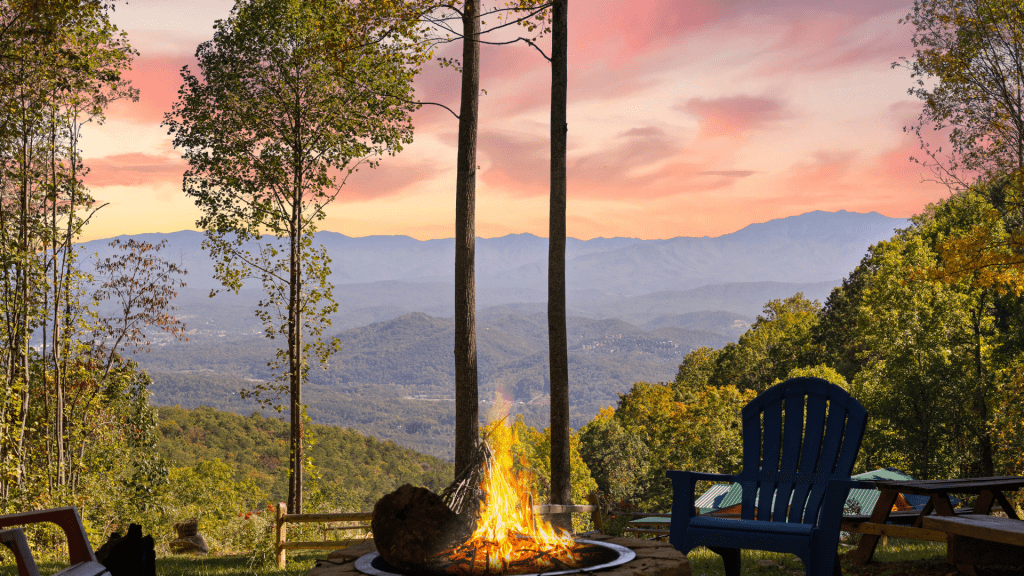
point(365, 563)
point(653, 558)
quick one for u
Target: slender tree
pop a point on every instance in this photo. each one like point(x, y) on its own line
point(467, 418)
point(60, 64)
point(295, 96)
point(561, 473)
point(470, 13)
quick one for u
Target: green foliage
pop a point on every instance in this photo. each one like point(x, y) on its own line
point(354, 470)
point(823, 371)
point(663, 427)
point(534, 451)
point(778, 341)
point(292, 94)
point(781, 339)
point(971, 48)
point(617, 456)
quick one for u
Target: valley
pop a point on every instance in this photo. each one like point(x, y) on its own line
point(635, 309)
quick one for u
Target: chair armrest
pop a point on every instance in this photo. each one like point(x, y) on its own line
point(15, 540)
point(683, 484)
point(701, 475)
point(836, 493)
point(79, 549)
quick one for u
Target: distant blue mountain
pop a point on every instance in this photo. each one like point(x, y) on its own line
point(809, 248)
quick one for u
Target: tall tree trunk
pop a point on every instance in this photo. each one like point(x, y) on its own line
point(466, 394)
point(295, 330)
point(561, 487)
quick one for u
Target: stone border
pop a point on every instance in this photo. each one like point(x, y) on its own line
point(653, 558)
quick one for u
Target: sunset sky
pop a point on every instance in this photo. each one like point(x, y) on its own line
point(685, 119)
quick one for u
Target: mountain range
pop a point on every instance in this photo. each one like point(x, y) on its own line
point(381, 277)
point(635, 308)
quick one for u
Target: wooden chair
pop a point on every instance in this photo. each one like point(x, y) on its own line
point(83, 560)
point(795, 478)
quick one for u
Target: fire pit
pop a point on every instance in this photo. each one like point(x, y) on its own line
point(484, 525)
point(653, 558)
point(600, 555)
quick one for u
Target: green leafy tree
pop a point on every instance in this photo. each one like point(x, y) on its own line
point(698, 368)
point(618, 458)
point(60, 65)
point(292, 96)
point(972, 47)
point(678, 428)
point(778, 341)
point(534, 451)
point(928, 351)
point(823, 371)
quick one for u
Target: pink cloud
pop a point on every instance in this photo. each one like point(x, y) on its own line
point(158, 79)
point(134, 169)
point(817, 41)
point(733, 116)
point(519, 163)
point(388, 179)
point(619, 32)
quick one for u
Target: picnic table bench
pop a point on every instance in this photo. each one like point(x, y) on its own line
point(972, 538)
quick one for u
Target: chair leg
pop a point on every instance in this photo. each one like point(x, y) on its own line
point(731, 557)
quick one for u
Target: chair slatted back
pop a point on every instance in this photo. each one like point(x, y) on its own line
point(797, 436)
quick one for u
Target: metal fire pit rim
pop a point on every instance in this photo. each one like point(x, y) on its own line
point(364, 562)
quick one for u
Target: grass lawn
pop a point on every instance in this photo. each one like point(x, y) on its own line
point(299, 563)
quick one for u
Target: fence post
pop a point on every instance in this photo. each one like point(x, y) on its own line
point(281, 533)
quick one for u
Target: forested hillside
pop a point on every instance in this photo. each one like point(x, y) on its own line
point(355, 470)
point(393, 379)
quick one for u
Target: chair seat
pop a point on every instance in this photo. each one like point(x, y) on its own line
point(754, 526)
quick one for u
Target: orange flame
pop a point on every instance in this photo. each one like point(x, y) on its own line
point(507, 533)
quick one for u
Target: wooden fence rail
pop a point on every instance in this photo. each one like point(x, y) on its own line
point(284, 518)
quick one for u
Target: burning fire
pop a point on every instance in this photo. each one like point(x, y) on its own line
point(508, 538)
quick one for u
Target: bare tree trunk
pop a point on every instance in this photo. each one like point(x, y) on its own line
point(561, 487)
point(295, 332)
point(466, 394)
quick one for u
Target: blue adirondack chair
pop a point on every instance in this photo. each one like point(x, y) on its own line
point(795, 478)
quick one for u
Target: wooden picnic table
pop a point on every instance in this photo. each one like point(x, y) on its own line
point(989, 490)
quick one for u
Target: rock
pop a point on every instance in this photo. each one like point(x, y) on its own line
point(411, 524)
point(195, 544)
point(187, 528)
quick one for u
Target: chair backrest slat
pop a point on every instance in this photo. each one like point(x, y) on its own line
point(772, 435)
point(792, 434)
point(789, 458)
point(810, 453)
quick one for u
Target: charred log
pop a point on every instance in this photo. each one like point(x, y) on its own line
point(412, 525)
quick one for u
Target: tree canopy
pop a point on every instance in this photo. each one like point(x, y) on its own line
point(294, 96)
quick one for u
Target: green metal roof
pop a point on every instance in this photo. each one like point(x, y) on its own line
point(859, 501)
point(724, 495)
